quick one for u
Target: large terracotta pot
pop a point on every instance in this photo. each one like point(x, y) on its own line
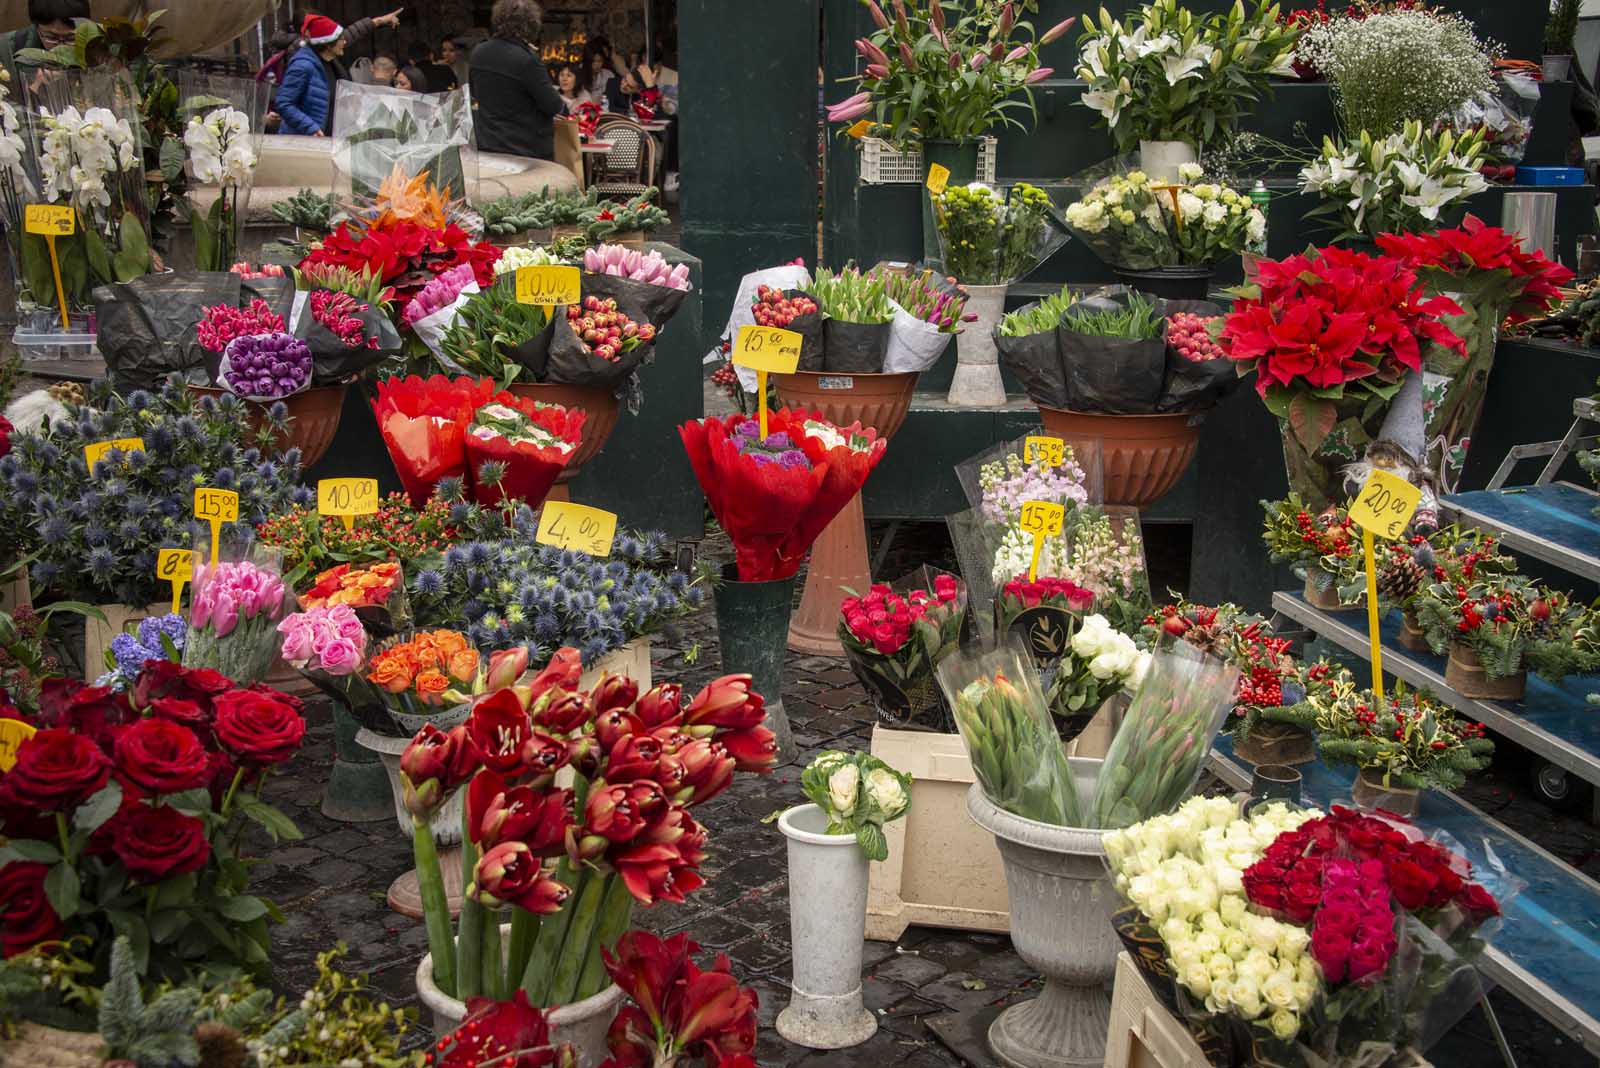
point(839, 557)
point(600, 410)
point(1142, 456)
point(313, 419)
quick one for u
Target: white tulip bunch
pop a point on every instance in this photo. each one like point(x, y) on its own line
point(81, 150)
point(219, 147)
point(859, 794)
point(1184, 871)
point(513, 259)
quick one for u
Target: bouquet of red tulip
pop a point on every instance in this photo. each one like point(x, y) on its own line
point(122, 804)
point(571, 861)
point(773, 495)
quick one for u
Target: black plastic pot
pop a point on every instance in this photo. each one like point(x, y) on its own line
point(1174, 283)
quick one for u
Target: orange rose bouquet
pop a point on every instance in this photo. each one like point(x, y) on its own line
point(426, 678)
point(377, 594)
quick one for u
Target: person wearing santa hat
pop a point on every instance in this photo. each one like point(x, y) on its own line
point(305, 98)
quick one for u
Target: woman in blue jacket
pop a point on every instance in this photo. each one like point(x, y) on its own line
point(305, 97)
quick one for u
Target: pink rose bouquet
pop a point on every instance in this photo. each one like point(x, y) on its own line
point(330, 639)
point(232, 613)
point(440, 293)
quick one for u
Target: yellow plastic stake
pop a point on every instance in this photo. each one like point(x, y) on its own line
point(766, 350)
point(216, 506)
point(1042, 519)
point(576, 526)
point(1382, 508)
point(13, 732)
point(177, 567)
point(51, 221)
point(347, 498)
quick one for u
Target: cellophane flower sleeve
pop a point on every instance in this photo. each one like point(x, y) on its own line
point(423, 423)
point(529, 443)
point(1010, 737)
point(996, 235)
point(235, 605)
point(378, 130)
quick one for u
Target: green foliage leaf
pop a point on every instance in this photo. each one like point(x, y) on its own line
point(275, 823)
point(94, 248)
point(243, 909)
point(133, 259)
point(29, 849)
point(872, 841)
point(196, 802)
point(93, 813)
point(61, 886)
point(172, 158)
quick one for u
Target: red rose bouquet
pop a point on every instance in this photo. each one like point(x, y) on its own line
point(123, 811)
point(774, 495)
point(571, 861)
point(517, 447)
point(423, 423)
point(1486, 271)
point(894, 637)
point(1331, 335)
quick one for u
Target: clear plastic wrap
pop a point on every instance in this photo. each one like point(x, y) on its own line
point(1504, 113)
point(223, 120)
point(379, 130)
point(235, 605)
point(895, 635)
point(994, 234)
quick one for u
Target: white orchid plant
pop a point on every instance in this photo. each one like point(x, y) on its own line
point(222, 153)
point(1168, 74)
point(1407, 182)
point(1136, 224)
point(859, 794)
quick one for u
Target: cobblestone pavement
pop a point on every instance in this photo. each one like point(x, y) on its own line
point(331, 885)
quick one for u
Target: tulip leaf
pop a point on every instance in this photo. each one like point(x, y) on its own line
point(61, 887)
point(93, 813)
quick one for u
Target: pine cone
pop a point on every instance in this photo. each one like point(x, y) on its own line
point(220, 1045)
point(1400, 577)
point(1206, 638)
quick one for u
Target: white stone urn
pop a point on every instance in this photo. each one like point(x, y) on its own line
point(976, 383)
point(1161, 159)
point(827, 924)
point(1061, 900)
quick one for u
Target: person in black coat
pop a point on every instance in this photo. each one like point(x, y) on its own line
point(512, 90)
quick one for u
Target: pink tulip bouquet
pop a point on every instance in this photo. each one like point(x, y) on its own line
point(649, 267)
point(233, 611)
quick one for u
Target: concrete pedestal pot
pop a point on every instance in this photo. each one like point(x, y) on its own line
point(976, 383)
point(583, 1023)
point(827, 924)
point(1061, 902)
point(404, 895)
point(600, 409)
point(313, 419)
point(1142, 456)
point(839, 557)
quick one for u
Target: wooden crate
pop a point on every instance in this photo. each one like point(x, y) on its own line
point(943, 870)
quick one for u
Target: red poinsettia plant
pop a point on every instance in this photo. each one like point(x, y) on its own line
point(774, 494)
point(579, 856)
point(1486, 263)
point(122, 813)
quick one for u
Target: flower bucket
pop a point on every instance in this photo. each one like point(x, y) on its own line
point(405, 895)
point(358, 788)
point(1411, 636)
point(1142, 456)
point(1161, 159)
point(1061, 902)
point(600, 409)
point(752, 624)
point(1170, 283)
point(313, 419)
point(827, 918)
point(583, 1023)
point(1465, 674)
point(1276, 743)
point(977, 383)
point(960, 158)
point(1369, 792)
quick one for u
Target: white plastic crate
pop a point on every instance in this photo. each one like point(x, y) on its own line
point(883, 165)
point(40, 338)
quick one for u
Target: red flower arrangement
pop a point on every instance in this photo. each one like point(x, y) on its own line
point(774, 495)
point(1530, 286)
point(505, 1034)
point(221, 323)
point(1019, 594)
point(529, 441)
point(680, 1011)
point(153, 780)
point(423, 423)
point(883, 619)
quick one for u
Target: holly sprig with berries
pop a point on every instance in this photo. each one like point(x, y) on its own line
point(1511, 623)
point(1410, 738)
point(1321, 546)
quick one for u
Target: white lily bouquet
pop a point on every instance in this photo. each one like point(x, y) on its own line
point(223, 139)
point(859, 794)
point(1407, 182)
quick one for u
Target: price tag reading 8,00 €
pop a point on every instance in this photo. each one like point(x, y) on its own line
point(1043, 518)
point(1051, 451)
point(549, 285)
point(578, 527)
point(767, 348)
point(1385, 504)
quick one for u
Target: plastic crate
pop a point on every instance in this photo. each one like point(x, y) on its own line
point(39, 337)
point(881, 164)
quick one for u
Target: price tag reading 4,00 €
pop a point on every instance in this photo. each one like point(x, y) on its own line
point(1385, 504)
point(578, 527)
point(50, 220)
point(1052, 451)
point(549, 286)
point(1043, 517)
point(767, 348)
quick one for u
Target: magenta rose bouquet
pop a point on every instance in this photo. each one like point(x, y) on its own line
point(233, 611)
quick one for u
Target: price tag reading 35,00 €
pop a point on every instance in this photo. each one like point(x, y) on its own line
point(1052, 451)
point(1385, 504)
point(549, 285)
point(767, 348)
point(578, 527)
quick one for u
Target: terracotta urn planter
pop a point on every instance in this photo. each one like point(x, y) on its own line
point(313, 419)
point(1465, 674)
point(839, 557)
point(600, 408)
point(1142, 456)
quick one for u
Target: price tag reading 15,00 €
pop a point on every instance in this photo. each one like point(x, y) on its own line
point(767, 348)
point(549, 286)
point(578, 527)
point(1052, 452)
point(1043, 517)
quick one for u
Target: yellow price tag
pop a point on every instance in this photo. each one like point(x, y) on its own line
point(1385, 504)
point(347, 498)
point(94, 452)
point(576, 526)
point(767, 348)
point(860, 128)
point(177, 567)
point(1043, 518)
point(50, 220)
point(549, 286)
point(1051, 451)
point(216, 506)
point(938, 178)
point(13, 732)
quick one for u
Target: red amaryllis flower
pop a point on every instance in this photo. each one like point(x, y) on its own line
point(511, 873)
point(498, 727)
point(532, 441)
point(506, 1034)
point(435, 763)
point(661, 706)
point(755, 749)
point(727, 703)
point(679, 1009)
point(162, 757)
point(705, 769)
point(660, 865)
point(424, 423)
point(498, 812)
point(774, 495)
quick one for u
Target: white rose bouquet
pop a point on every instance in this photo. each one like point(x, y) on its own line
point(1407, 182)
point(1135, 224)
point(859, 794)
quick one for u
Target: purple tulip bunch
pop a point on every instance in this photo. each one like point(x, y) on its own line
point(649, 267)
point(266, 366)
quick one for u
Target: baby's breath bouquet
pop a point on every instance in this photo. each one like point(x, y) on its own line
point(993, 237)
point(1135, 224)
point(1409, 181)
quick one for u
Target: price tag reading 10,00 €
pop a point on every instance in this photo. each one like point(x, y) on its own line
point(549, 285)
point(347, 498)
point(578, 527)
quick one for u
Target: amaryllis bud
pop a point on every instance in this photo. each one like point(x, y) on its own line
point(563, 672)
point(900, 22)
point(505, 667)
point(433, 764)
point(850, 108)
point(1057, 30)
point(634, 757)
point(755, 749)
point(512, 874)
point(707, 770)
point(936, 16)
point(978, 61)
point(660, 707)
point(955, 61)
point(726, 703)
point(907, 54)
point(614, 691)
point(1016, 53)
